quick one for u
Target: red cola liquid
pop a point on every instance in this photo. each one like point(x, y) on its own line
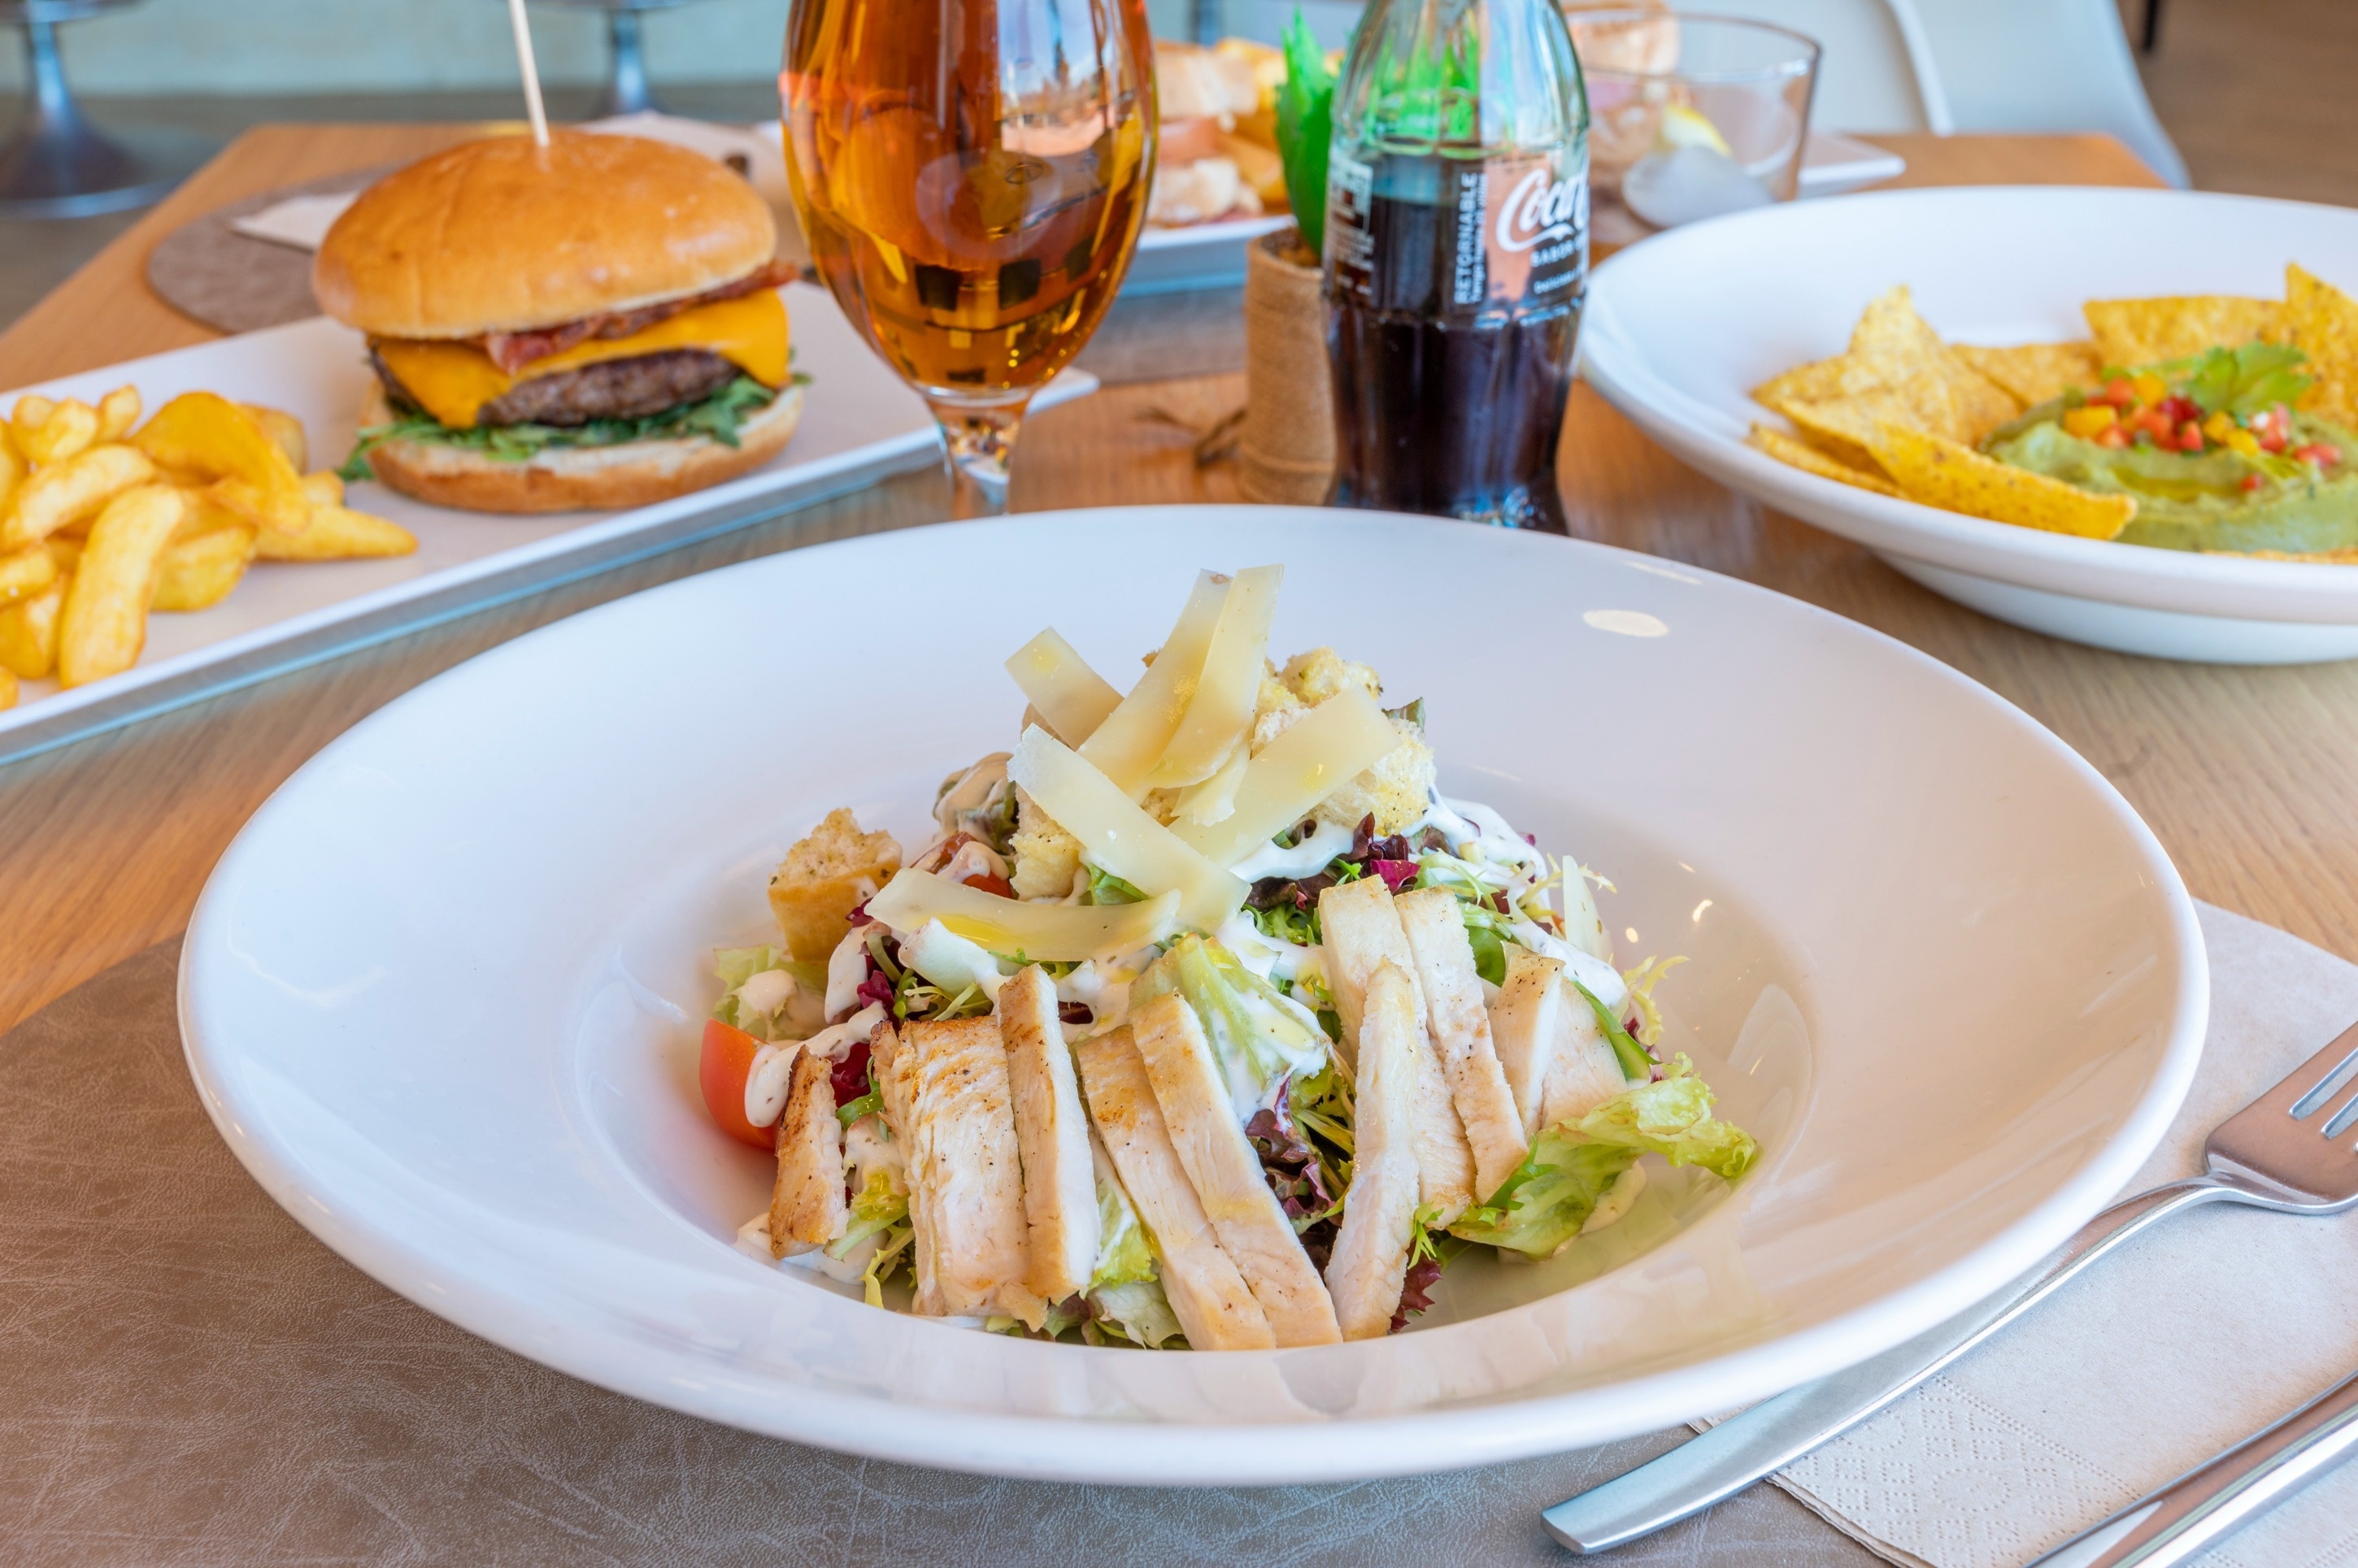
point(1454, 294)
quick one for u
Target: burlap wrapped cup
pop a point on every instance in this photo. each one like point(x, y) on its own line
point(1285, 451)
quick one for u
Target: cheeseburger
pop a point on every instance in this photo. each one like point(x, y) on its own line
point(594, 323)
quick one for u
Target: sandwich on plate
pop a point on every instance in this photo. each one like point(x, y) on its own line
point(590, 324)
point(1201, 1016)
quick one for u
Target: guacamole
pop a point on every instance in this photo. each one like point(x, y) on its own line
point(2213, 449)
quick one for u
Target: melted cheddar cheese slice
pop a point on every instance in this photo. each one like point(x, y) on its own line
point(453, 381)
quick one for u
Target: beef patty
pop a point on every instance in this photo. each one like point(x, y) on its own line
point(611, 389)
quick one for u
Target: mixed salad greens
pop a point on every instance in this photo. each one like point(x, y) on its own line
point(1204, 1018)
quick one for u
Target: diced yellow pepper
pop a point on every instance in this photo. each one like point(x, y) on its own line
point(2150, 388)
point(2090, 420)
point(2242, 441)
point(2219, 424)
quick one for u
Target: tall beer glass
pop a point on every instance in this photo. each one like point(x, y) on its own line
point(970, 176)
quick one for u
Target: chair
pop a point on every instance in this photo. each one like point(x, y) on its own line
point(1974, 65)
point(55, 164)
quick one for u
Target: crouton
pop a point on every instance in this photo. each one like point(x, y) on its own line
point(824, 877)
point(1046, 857)
point(1396, 791)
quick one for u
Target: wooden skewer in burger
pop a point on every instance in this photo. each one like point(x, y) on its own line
point(589, 323)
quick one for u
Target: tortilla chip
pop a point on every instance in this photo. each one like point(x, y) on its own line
point(1847, 427)
point(2036, 372)
point(2132, 332)
point(1944, 474)
point(1809, 383)
point(2322, 322)
point(1809, 459)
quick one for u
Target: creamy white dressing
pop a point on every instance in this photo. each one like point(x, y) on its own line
point(846, 971)
point(1616, 1199)
point(773, 1078)
point(974, 859)
point(952, 961)
point(970, 796)
point(1603, 980)
point(1103, 989)
point(868, 1146)
point(766, 993)
point(1306, 859)
point(1239, 935)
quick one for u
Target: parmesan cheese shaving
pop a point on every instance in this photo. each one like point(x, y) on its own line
point(1214, 800)
point(1316, 755)
point(1117, 836)
point(1222, 708)
point(1053, 933)
point(1073, 699)
point(1126, 747)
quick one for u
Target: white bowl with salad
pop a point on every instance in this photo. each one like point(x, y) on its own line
point(1271, 1069)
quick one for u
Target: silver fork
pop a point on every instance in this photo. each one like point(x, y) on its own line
point(2276, 1153)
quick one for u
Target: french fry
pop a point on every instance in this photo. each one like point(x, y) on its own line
point(7, 687)
point(337, 533)
point(13, 468)
point(26, 572)
point(71, 429)
point(105, 624)
point(324, 488)
point(286, 431)
point(70, 492)
point(32, 411)
point(207, 434)
point(67, 553)
point(28, 633)
point(198, 573)
point(117, 412)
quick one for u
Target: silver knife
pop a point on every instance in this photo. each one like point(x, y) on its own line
point(2187, 1517)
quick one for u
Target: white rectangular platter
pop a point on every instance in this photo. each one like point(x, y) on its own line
point(858, 424)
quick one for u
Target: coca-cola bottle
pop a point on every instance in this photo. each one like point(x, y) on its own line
point(1457, 258)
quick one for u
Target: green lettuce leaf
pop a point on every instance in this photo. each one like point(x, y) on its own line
point(1259, 1035)
point(716, 416)
point(1574, 1165)
point(1125, 1255)
point(1138, 1311)
point(879, 1206)
point(1673, 1118)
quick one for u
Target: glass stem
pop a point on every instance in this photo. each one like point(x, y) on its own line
point(980, 439)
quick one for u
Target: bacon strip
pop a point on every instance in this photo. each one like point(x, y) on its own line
point(513, 351)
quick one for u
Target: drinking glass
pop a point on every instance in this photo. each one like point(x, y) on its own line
point(970, 177)
point(1690, 116)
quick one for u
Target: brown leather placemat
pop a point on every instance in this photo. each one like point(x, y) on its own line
point(186, 1376)
point(234, 283)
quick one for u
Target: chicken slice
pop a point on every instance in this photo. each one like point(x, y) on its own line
point(1525, 1023)
point(1060, 1194)
point(807, 1207)
point(966, 1176)
point(1193, 1096)
point(1460, 1027)
point(1379, 1221)
point(1361, 930)
point(1582, 1071)
point(1207, 1294)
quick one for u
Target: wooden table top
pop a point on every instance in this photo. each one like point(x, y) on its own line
point(2245, 773)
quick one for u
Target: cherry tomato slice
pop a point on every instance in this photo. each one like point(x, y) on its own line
point(726, 1063)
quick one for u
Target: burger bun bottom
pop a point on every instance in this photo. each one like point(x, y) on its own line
point(578, 479)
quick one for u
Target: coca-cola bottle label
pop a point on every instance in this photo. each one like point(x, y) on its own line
point(1458, 237)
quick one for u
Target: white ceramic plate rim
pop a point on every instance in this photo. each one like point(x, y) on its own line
point(1207, 1453)
point(2127, 574)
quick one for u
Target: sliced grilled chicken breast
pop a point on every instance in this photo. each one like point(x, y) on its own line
point(1526, 1024)
point(807, 1208)
point(1379, 1223)
point(1460, 1027)
point(1207, 1293)
point(1361, 930)
point(1193, 1096)
point(1052, 1132)
point(1583, 1073)
point(971, 1251)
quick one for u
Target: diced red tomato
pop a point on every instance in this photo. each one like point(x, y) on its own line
point(2120, 392)
point(2154, 423)
point(2190, 437)
point(989, 884)
point(2253, 481)
point(2181, 410)
point(2115, 438)
point(2319, 453)
point(726, 1063)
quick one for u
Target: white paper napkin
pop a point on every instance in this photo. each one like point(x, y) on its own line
point(757, 152)
point(2207, 1328)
